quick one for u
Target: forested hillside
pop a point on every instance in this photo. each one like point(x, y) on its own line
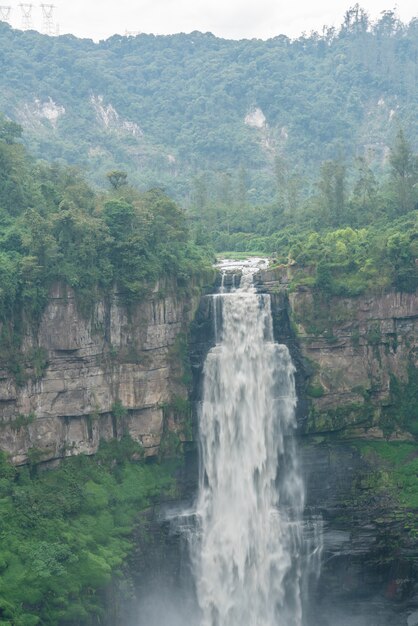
point(66, 534)
point(212, 119)
point(55, 227)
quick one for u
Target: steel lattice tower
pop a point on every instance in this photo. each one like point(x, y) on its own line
point(5, 13)
point(26, 16)
point(47, 16)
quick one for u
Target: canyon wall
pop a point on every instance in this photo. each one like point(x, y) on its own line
point(354, 357)
point(85, 378)
point(122, 369)
point(357, 351)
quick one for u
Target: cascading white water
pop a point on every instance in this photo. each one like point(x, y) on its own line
point(251, 497)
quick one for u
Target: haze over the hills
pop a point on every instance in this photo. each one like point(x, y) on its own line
point(234, 20)
point(168, 109)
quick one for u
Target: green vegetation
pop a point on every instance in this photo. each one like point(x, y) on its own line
point(66, 533)
point(340, 419)
point(179, 413)
point(54, 227)
point(396, 470)
point(349, 235)
point(315, 391)
point(239, 256)
point(348, 223)
point(168, 113)
point(349, 262)
point(400, 413)
point(403, 409)
point(181, 103)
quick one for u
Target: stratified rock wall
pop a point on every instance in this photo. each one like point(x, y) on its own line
point(114, 373)
point(347, 351)
point(354, 348)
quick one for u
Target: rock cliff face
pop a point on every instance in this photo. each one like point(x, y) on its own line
point(121, 370)
point(348, 353)
point(353, 356)
point(84, 380)
point(355, 350)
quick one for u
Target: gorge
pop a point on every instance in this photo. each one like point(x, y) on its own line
point(368, 573)
point(183, 442)
point(347, 434)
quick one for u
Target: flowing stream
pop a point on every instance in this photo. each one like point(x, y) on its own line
point(248, 556)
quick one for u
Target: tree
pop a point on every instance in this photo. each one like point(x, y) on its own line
point(199, 196)
point(117, 178)
point(242, 187)
point(332, 189)
point(356, 20)
point(364, 196)
point(9, 131)
point(404, 174)
point(119, 216)
point(225, 189)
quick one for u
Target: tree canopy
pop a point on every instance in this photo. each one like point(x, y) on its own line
point(55, 227)
point(170, 109)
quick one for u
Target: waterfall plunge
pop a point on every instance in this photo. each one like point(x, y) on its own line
point(248, 556)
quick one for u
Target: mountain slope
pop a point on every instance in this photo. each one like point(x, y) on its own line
point(169, 108)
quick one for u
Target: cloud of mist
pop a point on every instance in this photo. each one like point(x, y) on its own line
point(164, 607)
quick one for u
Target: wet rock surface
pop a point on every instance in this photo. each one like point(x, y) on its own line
point(369, 570)
point(347, 352)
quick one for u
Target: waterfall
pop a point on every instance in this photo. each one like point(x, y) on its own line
point(248, 556)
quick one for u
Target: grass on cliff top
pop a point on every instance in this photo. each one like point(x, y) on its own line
point(65, 533)
point(239, 256)
point(397, 464)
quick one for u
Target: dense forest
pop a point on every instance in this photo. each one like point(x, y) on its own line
point(66, 534)
point(55, 227)
point(198, 114)
point(353, 233)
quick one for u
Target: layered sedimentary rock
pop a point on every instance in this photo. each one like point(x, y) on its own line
point(85, 378)
point(350, 354)
point(364, 345)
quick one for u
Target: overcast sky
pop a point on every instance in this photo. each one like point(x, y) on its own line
point(234, 19)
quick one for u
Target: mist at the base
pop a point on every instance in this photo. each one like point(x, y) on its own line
point(164, 607)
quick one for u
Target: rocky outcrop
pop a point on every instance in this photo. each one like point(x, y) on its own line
point(369, 571)
point(355, 349)
point(350, 353)
point(86, 379)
